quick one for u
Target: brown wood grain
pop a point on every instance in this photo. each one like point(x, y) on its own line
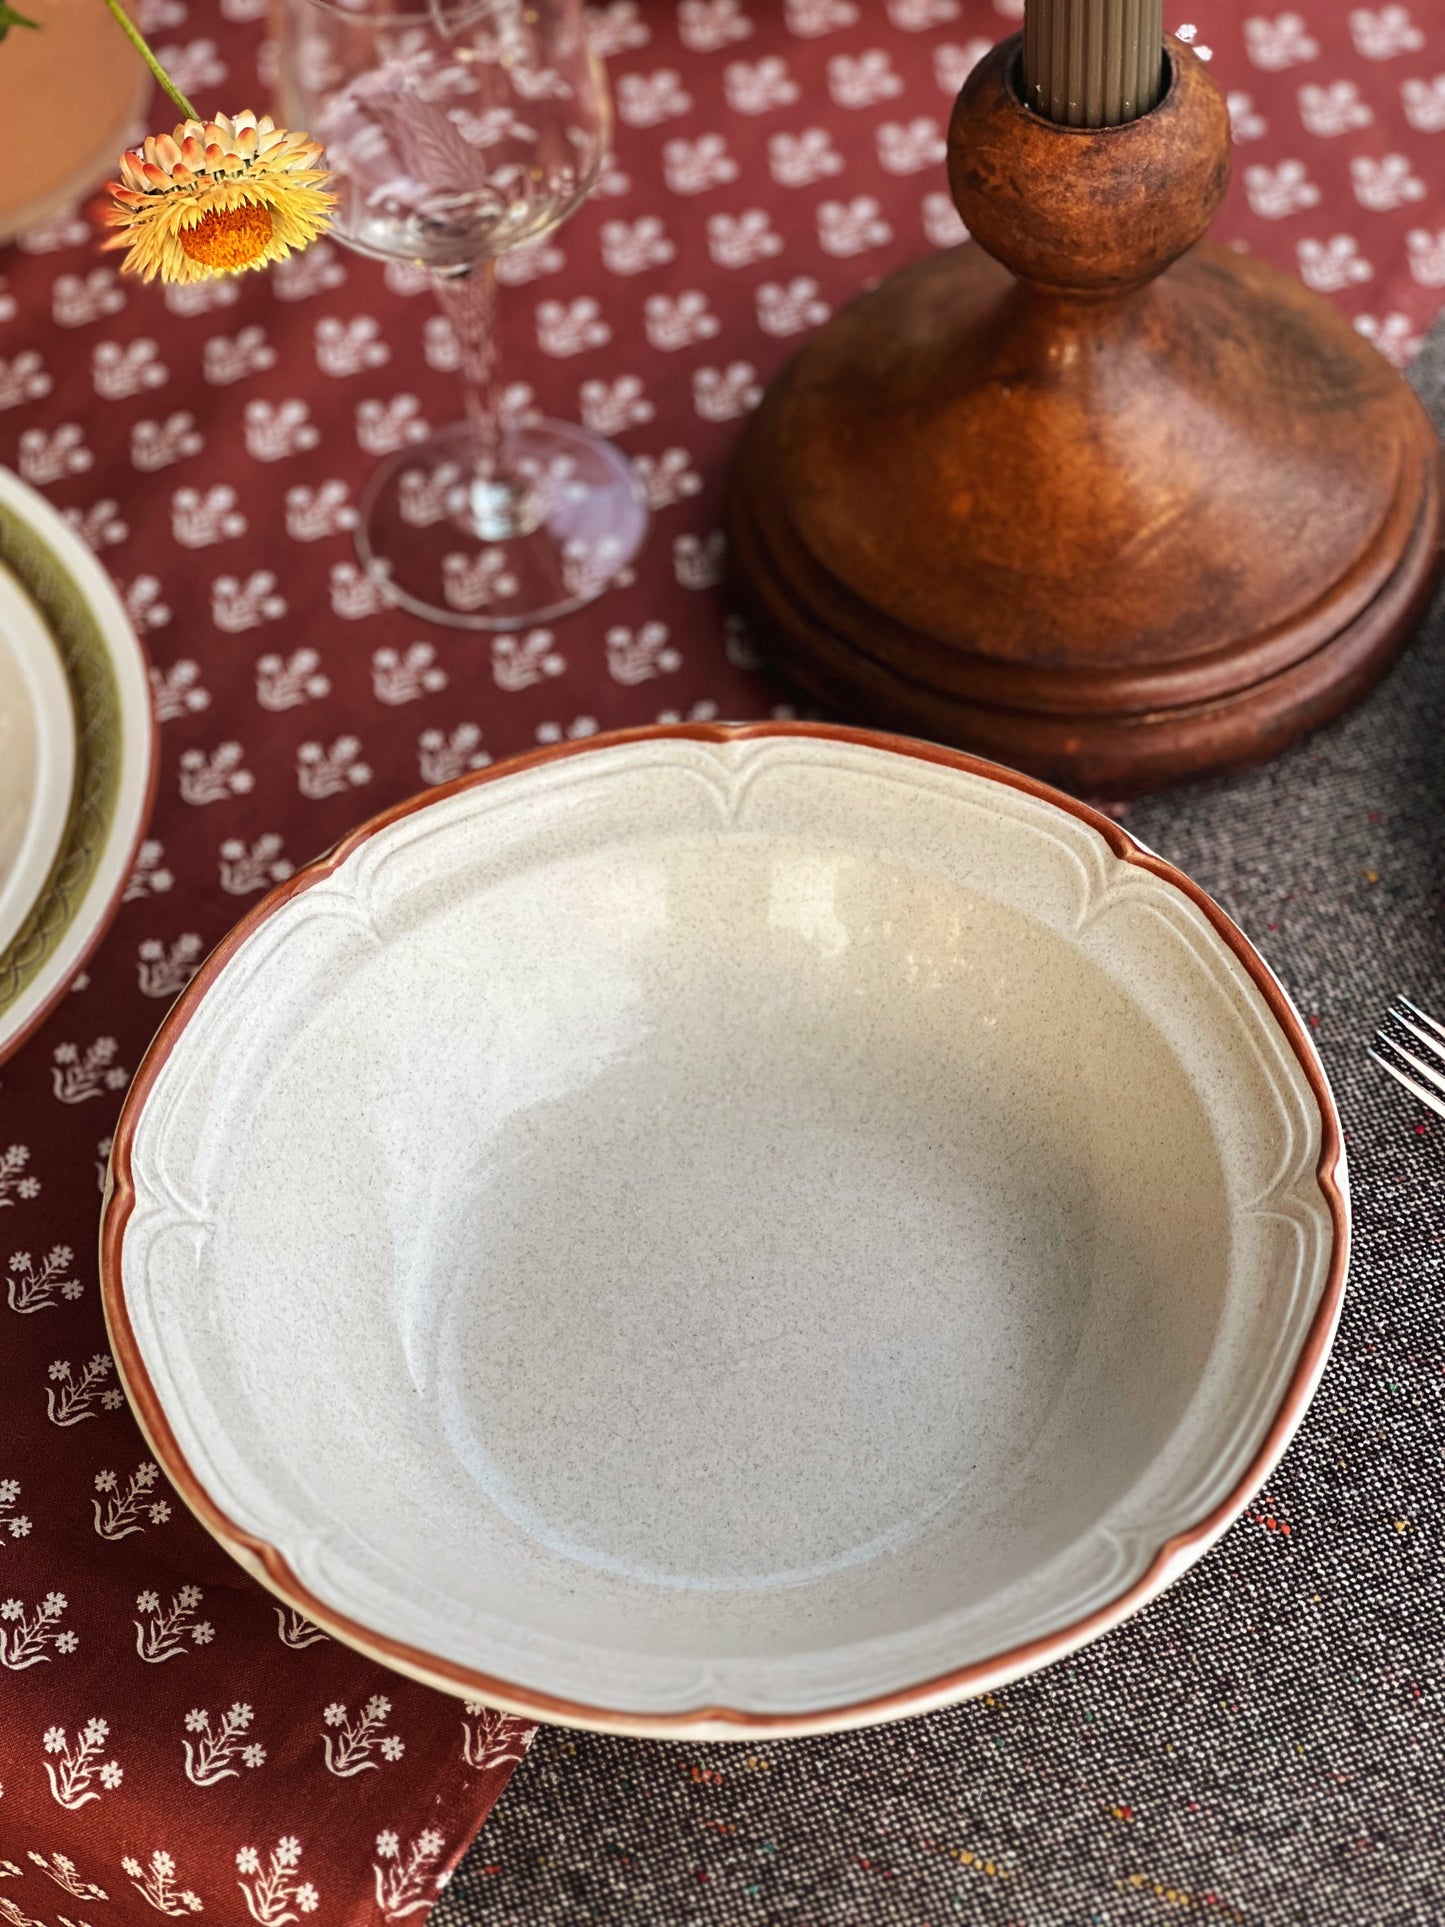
point(1089, 494)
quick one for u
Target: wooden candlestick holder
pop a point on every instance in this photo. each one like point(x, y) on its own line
point(1083, 495)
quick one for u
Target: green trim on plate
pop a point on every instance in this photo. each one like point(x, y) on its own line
point(100, 742)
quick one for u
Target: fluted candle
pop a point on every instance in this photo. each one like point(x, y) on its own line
point(1093, 63)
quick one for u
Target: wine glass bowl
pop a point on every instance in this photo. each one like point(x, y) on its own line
point(450, 144)
point(457, 133)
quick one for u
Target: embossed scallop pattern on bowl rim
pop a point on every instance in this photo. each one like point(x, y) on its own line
point(1140, 1562)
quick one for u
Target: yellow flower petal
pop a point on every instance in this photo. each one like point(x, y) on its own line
point(218, 197)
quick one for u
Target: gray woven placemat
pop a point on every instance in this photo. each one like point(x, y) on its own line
point(1263, 1744)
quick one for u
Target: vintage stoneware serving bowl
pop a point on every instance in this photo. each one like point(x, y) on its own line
point(705, 1231)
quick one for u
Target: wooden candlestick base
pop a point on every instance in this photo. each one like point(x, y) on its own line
point(1053, 499)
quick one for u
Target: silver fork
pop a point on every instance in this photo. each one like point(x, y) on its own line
point(1426, 1031)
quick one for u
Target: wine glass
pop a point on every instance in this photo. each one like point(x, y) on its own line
point(456, 131)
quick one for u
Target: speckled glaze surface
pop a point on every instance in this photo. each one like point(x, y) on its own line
point(708, 1230)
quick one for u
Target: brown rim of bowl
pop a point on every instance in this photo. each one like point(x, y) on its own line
point(269, 1565)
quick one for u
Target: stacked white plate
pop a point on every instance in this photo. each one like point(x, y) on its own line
point(77, 756)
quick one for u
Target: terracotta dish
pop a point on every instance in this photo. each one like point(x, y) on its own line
point(76, 71)
point(711, 1231)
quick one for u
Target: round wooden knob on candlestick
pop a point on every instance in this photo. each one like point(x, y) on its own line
point(1089, 495)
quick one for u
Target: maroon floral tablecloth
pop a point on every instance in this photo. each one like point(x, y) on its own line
point(171, 1740)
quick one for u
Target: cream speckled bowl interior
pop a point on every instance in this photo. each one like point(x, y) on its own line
point(772, 1227)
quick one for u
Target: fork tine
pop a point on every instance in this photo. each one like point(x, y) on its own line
point(1426, 1097)
point(1430, 1043)
point(1423, 1015)
point(1427, 1071)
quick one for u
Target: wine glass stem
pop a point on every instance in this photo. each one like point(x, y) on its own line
point(500, 504)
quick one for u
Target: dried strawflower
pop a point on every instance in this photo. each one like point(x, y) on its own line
point(217, 196)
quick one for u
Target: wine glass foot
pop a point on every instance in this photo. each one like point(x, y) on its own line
point(458, 552)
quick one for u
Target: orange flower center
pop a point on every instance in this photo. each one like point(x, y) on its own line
point(228, 237)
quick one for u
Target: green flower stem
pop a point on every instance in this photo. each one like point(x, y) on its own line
point(138, 40)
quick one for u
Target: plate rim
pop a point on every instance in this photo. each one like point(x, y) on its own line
point(129, 666)
point(269, 1565)
point(43, 671)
